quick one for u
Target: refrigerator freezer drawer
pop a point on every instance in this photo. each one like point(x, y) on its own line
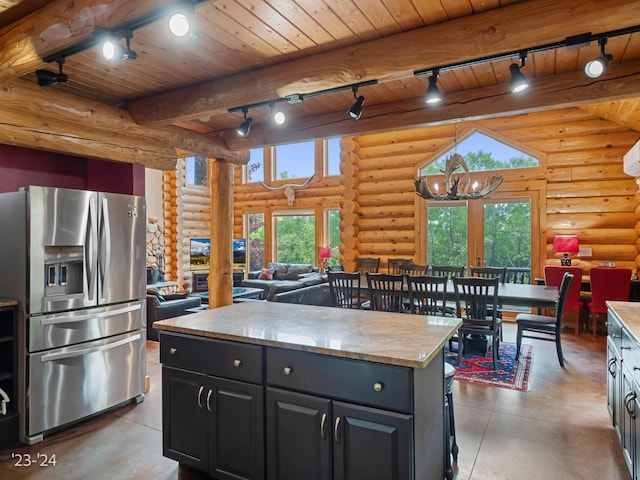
point(68, 328)
point(70, 383)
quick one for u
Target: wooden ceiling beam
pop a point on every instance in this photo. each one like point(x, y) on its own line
point(21, 95)
point(514, 27)
point(567, 90)
point(59, 25)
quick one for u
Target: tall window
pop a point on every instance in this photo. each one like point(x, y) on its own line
point(332, 232)
point(447, 235)
point(255, 240)
point(255, 165)
point(295, 160)
point(197, 171)
point(295, 237)
point(332, 162)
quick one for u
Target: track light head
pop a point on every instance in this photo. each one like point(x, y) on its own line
point(433, 95)
point(181, 20)
point(355, 111)
point(46, 78)
point(519, 82)
point(113, 51)
point(243, 129)
point(277, 116)
point(596, 67)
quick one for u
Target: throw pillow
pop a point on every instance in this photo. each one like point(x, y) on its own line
point(266, 274)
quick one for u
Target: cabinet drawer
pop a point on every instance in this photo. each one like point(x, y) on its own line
point(236, 361)
point(631, 354)
point(377, 385)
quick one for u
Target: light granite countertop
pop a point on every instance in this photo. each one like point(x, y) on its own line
point(390, 338)
point(8, 302)
point(629, 313)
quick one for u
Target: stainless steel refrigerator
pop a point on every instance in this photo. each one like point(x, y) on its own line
point(76, 262)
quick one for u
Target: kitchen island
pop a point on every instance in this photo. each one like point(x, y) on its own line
point(282, 391)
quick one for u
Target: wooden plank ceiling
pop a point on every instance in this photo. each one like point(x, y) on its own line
point(176, 95)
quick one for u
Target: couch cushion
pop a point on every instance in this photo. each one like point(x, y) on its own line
point(280, 269)
point(266, 274)
point(297, 269)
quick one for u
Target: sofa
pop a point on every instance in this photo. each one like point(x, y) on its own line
point(314, 295)
point(162, 306)
point(283, 277)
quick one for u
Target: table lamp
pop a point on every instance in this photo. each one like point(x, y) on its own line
point(325, 255)
point(566, 244)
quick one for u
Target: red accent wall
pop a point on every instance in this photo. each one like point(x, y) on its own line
point(20, 167)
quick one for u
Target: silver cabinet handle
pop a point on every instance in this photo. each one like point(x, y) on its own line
point(173, 350)
point(336, 430)
point(615, 335)
point(378, 386)
point(237, 363)
point(323, 433)
point(200, 396)
point(208, 400)
point(288, 370)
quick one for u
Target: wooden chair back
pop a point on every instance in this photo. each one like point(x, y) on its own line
point(414, 269)
point(385, 291)
point(395, 265)
point(489, 272)
point(427, 294)
point(367, 264)
point(344, 288)
point(448, 271)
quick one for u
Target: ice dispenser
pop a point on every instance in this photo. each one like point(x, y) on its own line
point(63, 270)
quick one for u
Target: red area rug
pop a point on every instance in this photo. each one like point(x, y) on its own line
point(508, 373)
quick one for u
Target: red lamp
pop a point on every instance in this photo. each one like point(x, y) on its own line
point(566, 244)
point(325, 255)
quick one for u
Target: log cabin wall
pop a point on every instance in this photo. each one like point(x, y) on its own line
point(587, 192)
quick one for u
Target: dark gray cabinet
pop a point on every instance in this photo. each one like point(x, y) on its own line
point(244, 411)
point(210, 423)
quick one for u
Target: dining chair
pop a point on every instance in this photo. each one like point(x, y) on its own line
point(385, 291)
point(414, 269)
point(476, 301)
point(345, 289)
point(543, 327)
point(448, 271)
point(367, 264)
point(607, 283)
point(553, 275)
point(335, 268)
point(427, 294)
point(490, 272)
point(395, 265)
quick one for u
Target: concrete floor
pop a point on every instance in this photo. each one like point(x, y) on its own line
point(559, 429)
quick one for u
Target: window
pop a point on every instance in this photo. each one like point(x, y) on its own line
point(255, 240)
point(481, 152)
point(255, 165)
point(197, 171)
point(332, 154)
point(295, 160)
point(332, 232)
point(295, 237)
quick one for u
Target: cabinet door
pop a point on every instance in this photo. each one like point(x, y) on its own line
point(372, 444)
point(236, 438)
point(298, 436)
point(184, 417)
point(613, 385)
point(627, 416)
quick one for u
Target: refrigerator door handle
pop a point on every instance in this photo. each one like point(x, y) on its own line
point(81, 318)
point(91, 252)
point(50, 357)
point(105, 249)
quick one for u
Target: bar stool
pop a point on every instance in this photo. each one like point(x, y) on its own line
point(449, 424)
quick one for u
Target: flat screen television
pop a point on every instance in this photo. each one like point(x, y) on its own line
point(239, 251)
point(199, 253)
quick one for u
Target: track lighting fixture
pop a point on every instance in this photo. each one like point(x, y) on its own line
point(181, 20)
point(277, 116)
point(519, 82)
point(433, 93)
point(243, 129)
point(355, 111)
point(46, 78)
point(597, 66)
point(113, 51)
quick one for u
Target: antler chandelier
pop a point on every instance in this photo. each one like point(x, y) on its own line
point(458, 184)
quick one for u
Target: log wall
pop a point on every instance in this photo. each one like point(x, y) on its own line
point(587, 193)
